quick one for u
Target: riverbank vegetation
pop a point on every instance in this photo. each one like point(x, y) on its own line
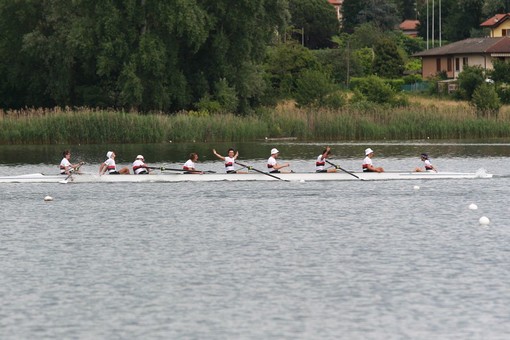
point(159, 71)
point(424, 119)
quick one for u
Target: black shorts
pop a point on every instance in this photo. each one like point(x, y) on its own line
point(231, 172)
point(274, 172)
point(321, 170)
point(114, 173)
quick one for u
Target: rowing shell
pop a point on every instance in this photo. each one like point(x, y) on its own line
point(300, 177)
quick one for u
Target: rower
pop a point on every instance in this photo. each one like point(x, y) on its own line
point(189, 166)
point(139, 166)
point(229, 160)
point(367, 162)
point(110, 166)
point(321, 161)
point(66, 168)
point(428, 165)
point(272, 165)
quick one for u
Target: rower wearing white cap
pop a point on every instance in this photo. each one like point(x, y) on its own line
point(110, 166)
point(367, 162)
point(272, 165)
point(139, 166)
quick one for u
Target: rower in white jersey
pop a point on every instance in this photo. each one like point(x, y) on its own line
point(139, 166)
point(229, 160)
point(320, 163)
point(367, 162)
point(189, 166)
point(272, 164)
point(428, 165)
point(110, 166)
point(66, 168)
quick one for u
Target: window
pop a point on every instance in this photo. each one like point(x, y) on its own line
point(438, 64)
point(465, 62)
point(504, 32)
point(449, 64)
point(457, 64)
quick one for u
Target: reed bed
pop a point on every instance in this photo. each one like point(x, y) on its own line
point(87, 126)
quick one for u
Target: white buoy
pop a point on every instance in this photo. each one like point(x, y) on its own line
point(473, 206)
point(48, 198)
point(484, 220)
point(416, 187)
point(301, 181)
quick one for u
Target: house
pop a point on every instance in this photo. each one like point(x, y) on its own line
point(452, 58)
point(499, 25)
point(409, 27)
point(338, 6)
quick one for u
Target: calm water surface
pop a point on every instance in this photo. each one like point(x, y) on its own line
point(274, 260)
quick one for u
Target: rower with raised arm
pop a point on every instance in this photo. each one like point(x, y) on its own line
point(367, 162)
point(229, 160)
point(321, 161)
point(428, 165)
point(189, 166)
point(272, 164)
point(139, 166)
point(66, 168)
point(110, 166)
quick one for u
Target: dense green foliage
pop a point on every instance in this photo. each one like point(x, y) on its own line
point(317, 19)
point(133, 54)
point(469, 79)
point(486, 101)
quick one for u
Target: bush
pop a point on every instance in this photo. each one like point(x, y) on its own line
point(312, 88)
point(373, 89)
point(486, 101)
point(469, 79)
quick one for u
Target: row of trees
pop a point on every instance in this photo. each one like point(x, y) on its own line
point(233, 55)
point(148, 55)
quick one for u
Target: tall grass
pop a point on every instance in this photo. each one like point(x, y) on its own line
point(350, 123)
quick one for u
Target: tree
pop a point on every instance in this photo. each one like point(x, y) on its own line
point(407, 9)
point(135, 54)
point(469, 79)
point(318, 20)
point(313, 87)
point(388, 63)
point(486, 100)
point(382, 13)
point(350, 11)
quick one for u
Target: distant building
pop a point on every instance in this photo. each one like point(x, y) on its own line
point(499, 25)
point(338, 6)
point(410, 27)
point(453, 58)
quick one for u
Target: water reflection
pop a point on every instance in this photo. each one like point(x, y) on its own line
point(290, 150)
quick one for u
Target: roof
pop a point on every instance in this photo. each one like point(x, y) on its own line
point(409, 25)
point(470, 46)
point(496, 20)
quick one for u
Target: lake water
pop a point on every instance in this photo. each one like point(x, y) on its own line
point(257, 260)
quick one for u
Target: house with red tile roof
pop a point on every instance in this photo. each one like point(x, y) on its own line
point(409, 27)
point(338, 6)
point(499, 25)
point(454, 57)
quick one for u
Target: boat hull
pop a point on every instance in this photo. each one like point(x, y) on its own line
point(295, 177)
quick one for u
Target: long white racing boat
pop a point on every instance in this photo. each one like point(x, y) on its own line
point(255, 176)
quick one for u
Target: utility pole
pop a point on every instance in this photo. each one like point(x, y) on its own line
point(433, 24)
point(440, 23)
point(427, 24)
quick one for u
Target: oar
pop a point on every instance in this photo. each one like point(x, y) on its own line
point(183, 170)
point(262, 172)
point(338, 167)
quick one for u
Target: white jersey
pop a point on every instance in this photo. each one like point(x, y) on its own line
point(428, 165)
point(189, 165)
point(271, 162)
point(110, 165)
point(366, 162)
point(320, 163)
point(229, 164)
point(139, 167)
point(63, 164)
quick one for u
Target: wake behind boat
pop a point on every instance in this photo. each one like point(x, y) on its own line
point(214, 177)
